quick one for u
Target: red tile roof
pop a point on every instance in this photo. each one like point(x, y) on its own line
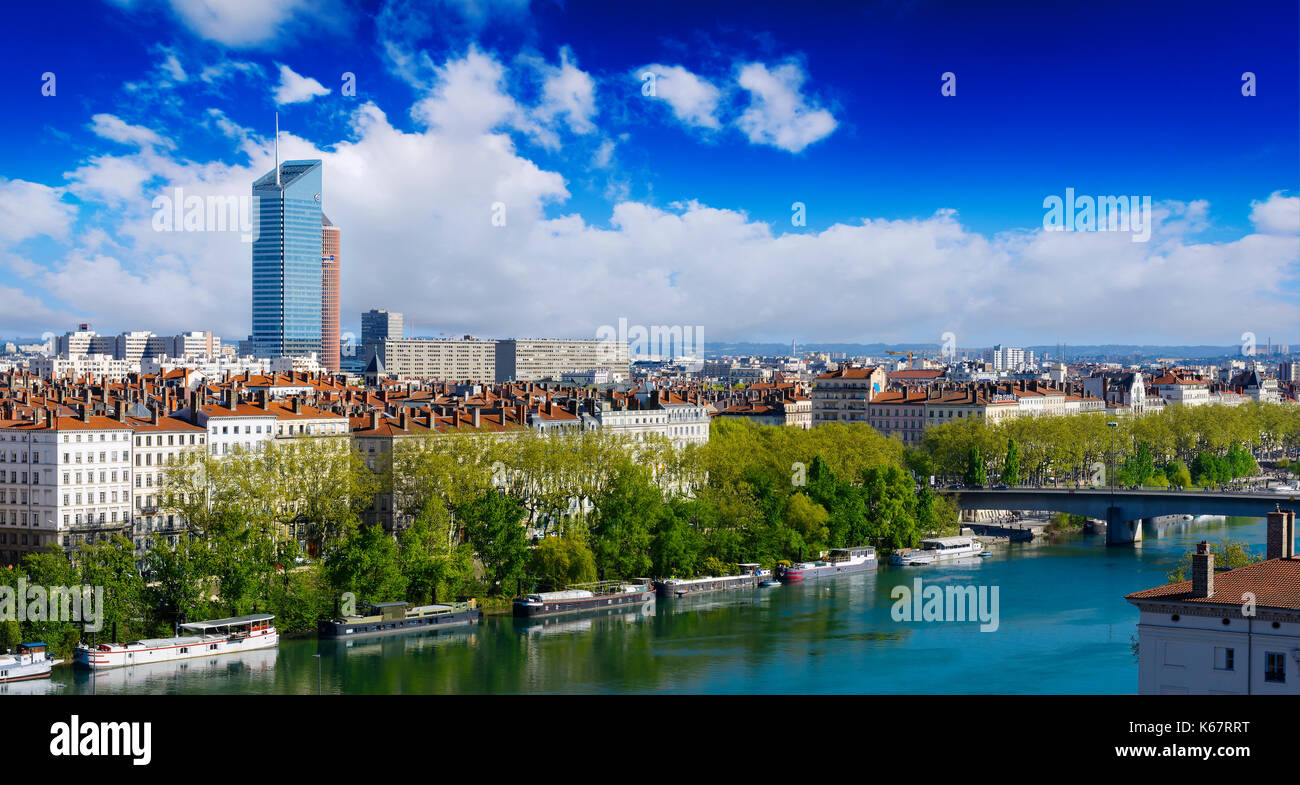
point(1275, 584)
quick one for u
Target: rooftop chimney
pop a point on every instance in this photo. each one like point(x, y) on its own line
point(1203, 571)
point(1281, 535)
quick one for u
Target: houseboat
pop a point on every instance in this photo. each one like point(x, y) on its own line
point(216, 636)
point(386, 618)
point(750, 575)
point(938, 549)
point(584, 597)
point(33, 661)
point(837, 562)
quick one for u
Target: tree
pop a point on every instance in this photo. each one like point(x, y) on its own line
point(620, 528)
point(494, 523)
point(1177, 474)
point(431, 562)
point(177, 577)
point(111, 564)
point(1228, 553)
point(975, 472)
point(1011, 465)
point(366, 563)
point(562, 561)
point(809, 520)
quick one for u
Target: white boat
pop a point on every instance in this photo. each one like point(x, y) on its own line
point(33, 661)
point(217, 636)
point(938, 549)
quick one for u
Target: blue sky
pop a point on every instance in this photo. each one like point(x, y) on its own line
point(924, 212)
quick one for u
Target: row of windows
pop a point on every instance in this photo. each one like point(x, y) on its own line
point(104, 457)
point(171, 439)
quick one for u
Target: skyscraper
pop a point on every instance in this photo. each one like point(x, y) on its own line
point(331, 264)
point(287, 254)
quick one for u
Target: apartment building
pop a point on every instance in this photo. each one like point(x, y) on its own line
point(534, 359)
point(842, 395)
point(468, 359)
point(899, 413)
point(232, 425)
point(1124, 388)
point(158, 442)
point(66, 480)
point(1177, 386)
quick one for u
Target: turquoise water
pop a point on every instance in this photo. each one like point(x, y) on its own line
point(1064, 627)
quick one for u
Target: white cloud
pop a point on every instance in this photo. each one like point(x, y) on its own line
point(778, 114)
point(1276, 215)
point(252, 23)
point(172, 66)
point(694, 101)
point(296, 89)
point(424, 243)
point(568, 91)
point(469, 98)
point(115, 128)
point(31, 210)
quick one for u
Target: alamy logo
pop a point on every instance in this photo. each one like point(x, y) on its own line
point(946, 603)
point(93, 739)
point(81, 604)
point(212, 213)
point(658, 340)
point(1085, 213)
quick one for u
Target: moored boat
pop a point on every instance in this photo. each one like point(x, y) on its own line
point(750, 575)
point(838, 562)
point(216, 636)
point(386, 618)
point(938, 549)
point(33, 661)
point(584, 597)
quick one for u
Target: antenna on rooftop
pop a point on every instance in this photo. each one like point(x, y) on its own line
point(277, 149)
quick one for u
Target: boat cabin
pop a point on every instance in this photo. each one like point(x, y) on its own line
point(748, 568)
point(844, 554)
point(945, 543)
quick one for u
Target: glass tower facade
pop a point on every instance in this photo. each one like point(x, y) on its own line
point(287, 277)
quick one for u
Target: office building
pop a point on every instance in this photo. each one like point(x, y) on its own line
point(378, 325)
point(287, 254)
point(331, 265)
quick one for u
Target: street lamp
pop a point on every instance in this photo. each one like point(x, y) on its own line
point(318, 676)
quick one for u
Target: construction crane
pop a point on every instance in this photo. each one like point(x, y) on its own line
point(925, 353)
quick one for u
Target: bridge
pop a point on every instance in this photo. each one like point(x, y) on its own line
point(1124, 510)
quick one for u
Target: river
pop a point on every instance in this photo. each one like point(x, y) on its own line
point(1063, 627)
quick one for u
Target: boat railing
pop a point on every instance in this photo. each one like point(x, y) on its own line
point(602, 587)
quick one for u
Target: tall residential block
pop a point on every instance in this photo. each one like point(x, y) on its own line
point(534, 359)
point(331, 264)
point(287, 261)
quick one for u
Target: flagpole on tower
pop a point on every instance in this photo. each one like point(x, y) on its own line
point(277, 149)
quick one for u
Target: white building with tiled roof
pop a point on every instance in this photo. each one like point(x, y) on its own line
point(1232, 633)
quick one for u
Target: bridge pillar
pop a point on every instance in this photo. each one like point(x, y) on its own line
point(1120, 531)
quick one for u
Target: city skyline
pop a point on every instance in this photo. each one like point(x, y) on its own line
point(922, 213)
